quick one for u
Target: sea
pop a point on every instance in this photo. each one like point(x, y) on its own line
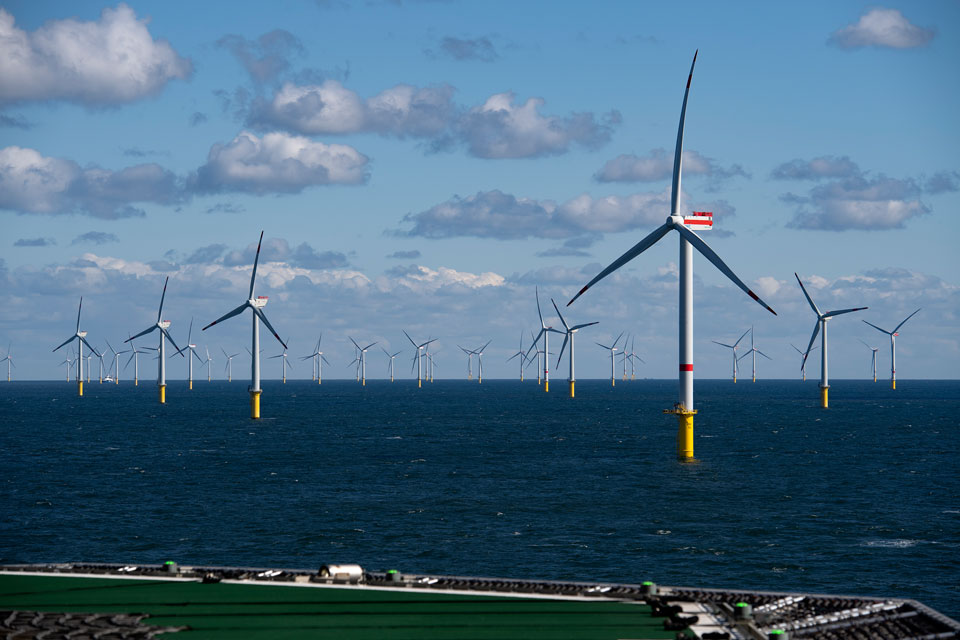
point(498, 479)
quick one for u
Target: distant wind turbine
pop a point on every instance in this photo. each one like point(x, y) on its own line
point(684, 409)
point(519, 354)
point(469, 353)
point(192, 348)
point(391, 356)
point(81, 338)
point(613, 362)
point(162, 325)
point(208, 362)
point(9, 360)
point(570, 333)
point(318, 360)
point(733, 347)
point(479, 353)
point(68, 360)
point(803, 361)
point(418, 356)
point(633, 359)
point(893, 347)
point(283, 364)
point(821, 325)
point(256, 306)
point(545, 331)
point(873, 359)
point(363, 360)
point(228, 369)
point(754, 351)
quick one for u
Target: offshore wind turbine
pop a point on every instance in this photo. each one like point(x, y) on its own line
point(520, 355)
point(470, 354)
point(418, 356)
point(803, 362)
point(9, 360)
point(633, 358)
point(363, 360)
point(100, 355)
point(283, 364)
point(479, 353)
point(116, 362)
point(81, 338)
point(873, 359)
point(207, 362)
point(754, 351)
point(613, 361)
point(391, 356)
point(318, 360)
point(135, 356)
point(733, 347)
point(821, 325)
point(893, 347)
point(228, 369)
point(569, 335)
point(68, 360)
point(545, 331)
point(684, 409)
point(162, 325)
point(192, 348)
point(256, 306)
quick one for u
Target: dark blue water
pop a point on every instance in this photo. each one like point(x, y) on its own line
point(497, 479)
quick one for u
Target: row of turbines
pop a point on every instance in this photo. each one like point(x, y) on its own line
point(684, 409)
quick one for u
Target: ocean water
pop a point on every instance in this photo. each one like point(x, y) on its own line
point(498, 479)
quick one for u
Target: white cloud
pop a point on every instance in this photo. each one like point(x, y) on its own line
point(33, 183)
point(658, 165)
point(114, 60)
point(278, 162)
point(817, 168)
point(859, 204)
point(882, 28)
point(502, 128)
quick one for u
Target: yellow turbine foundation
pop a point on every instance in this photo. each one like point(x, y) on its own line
point(893, 384)
point(191, 385)
point(572, 384)
point(255, 405)
point(685, 435)
point(419, 385)
point(824, 393)
point(80, 388)
point(163, 394)
point(546, 386)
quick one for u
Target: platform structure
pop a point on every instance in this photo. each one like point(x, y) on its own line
point(141, 601)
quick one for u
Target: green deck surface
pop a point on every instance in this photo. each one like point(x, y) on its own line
point(266, 611)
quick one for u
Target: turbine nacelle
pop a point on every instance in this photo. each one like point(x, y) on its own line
point(259, 302)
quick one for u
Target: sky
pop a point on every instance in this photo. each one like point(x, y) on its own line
point(427, 166)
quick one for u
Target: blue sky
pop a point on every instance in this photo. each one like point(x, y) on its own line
point(425, 165)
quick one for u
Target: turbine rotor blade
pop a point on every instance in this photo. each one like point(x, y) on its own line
point(581, 326)
point(877, 328)
point(678, 152)
point(162, 296)
point(905, 320)
point(710, 255)
point(728, 346)
point(170, 338)
point(78, 313)
point(813, 306)
point(830, 314)
point(67, 341)
point(229, 314)
point(632, 253)
point(562, 347)
point(564, 322)
point(256, 260)
point(740, 338)
point(764, 355)
point(816, 330)
point(269, 326)
point(142, 333)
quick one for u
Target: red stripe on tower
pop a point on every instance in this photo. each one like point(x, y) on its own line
point(686, 367)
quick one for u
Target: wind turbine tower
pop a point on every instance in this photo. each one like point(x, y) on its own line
point(733, 347)
point(873, 359)
point(545, 332)
point(162, 325)
point(754, 351)
point(521, 355)
point(684, 409)
point(256, 306)
point(569, 335)
point(821, 325)
point(81, 338)
point(613, 361)
point(418, 356)
point(9, 360)
point(391, 356)
point(893, 347)
point(229, 368)
point(803, 362)
point(363, 360)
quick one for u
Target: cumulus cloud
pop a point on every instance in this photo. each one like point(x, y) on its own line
point(817, 168)
point(504, 128)
point(15, 122)
point(279, 250)
point(422, 278)
point(331, 108)
point(658, 165)
point(859, 203)
point(499, 128)
point(494, 214)
point(95, 237)
point(943, 182)
point(225, 207)
point(266, 57)
point(113, 60)
point(481, 49)
point(278, 163)
point(882, 28)
point(34, 242)
point(33, 183)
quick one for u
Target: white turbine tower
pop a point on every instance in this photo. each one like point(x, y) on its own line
point(100, 355)
point(116, 362)
point(208, 362)
point(391, 357)
point(633, 358)
point(733, 347)
point(255, 305)
point(135, 356)
point(68, 360)
point(283, 364)
point(803, 361)
point(821, 325)
point(521, 355)
point(754, 351)
point(192, 348)
point(470, 353)
point(684, 409)
point(417, 356)
point(873, 359)
point(613, 362)
point(363, 360)
point(318, 360)
point(81, 338)
point(545, 331)
point(893, 347)
point(162, 325)
point(479, 353)
point(228, 368)
point(569, 335)
point(9, 360)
